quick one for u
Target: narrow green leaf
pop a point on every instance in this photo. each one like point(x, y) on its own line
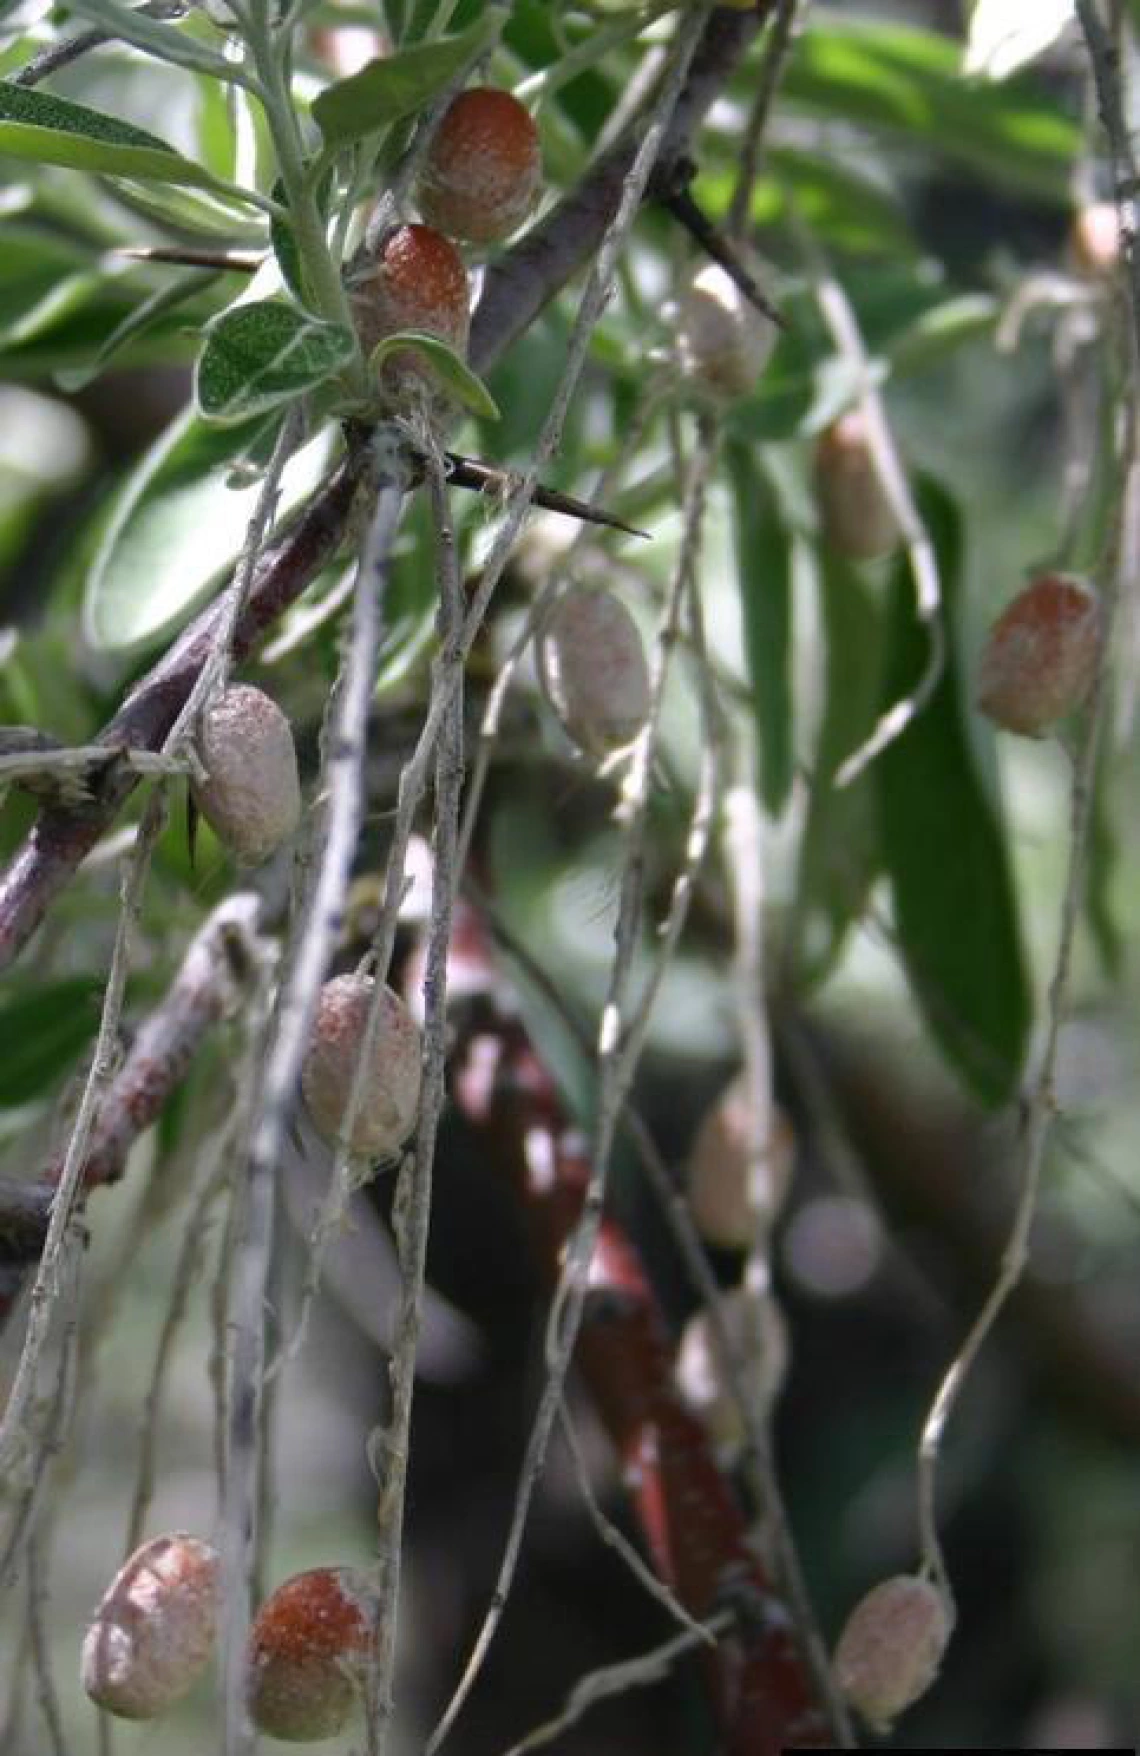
point(387, 90)
point(942, 837)
point(839, 855)
point(764, 581)
point(47, 130)
point(43, 1033)
point(177, 529)
point(457, 377)
point(260, 355)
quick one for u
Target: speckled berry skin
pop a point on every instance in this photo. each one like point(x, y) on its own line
point(154, 1629)
point(1039, 659)
point(416, 281)
point(251, 797)
point(735, 1193)
point(391, 1091)
point(854, 514)
point(483, 169)
point(891, 1648)
point(723, 342)
point(308, 1650)
point(593, 671)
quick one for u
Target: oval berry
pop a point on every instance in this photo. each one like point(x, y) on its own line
point(416, 281)
point(154, 1629)
point(723, 341)
point(1094, 239)
point(759, 1338)
point(390, 1093)
point(1040, 657)
point(309, 1647)
point(251, 796)
point(593, 671)
point(737, 1186)
point(483, 170)
point(891, 1648)
point(855, 514)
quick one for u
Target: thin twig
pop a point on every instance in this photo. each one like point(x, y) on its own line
point(1041, 1102)
point(890, 473)
point(40, 1648)
point(611, 1680)
point(776, 49)
point(613, 1054)
point(613, 1538)
point(14, 1437)
point(319, 917)
point(412, 1211)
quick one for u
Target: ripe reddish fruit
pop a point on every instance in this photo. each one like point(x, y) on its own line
point(416, 281)
point(592, 668)
point(1094, 239)
point(391, 1090)
point(855, 514)
point(891, 1648)
point(1040, 656)
point(251, 796)
point(483, 169)
point(737, 1186)
point(308, 1650)
point(759, 1338)
point(154, 1629)
point(723, 341)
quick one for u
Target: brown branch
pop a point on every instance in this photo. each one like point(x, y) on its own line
point(691, 1520)
point(214, 974)
point(519, 286)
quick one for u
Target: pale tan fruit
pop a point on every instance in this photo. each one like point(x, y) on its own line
point(251, 796)
point(308, 1651)
point(855, 514)
point(723, 342)
point(390, 1093)
point(891, 1648)
point(1094, 239)
point(593, 670)
point(736, 1184)
point(416, 281)
point(1040, 657)
point(483, 169)
point(154, 1629)
point(759, 1337)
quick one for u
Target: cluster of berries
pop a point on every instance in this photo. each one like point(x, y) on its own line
point(156, 1626)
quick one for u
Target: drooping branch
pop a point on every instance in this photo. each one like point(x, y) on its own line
point(207, 989)
point(691, 1520)
point(61, 838)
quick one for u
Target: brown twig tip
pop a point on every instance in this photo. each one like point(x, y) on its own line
point(675, 197)
point(487, 478)
point(185, 256)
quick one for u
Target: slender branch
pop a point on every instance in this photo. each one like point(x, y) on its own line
point(776, 51)
point(61, 839)
point(319, 917)
point(1041, 1104)
point(412, 1210)
point(611, 1680)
